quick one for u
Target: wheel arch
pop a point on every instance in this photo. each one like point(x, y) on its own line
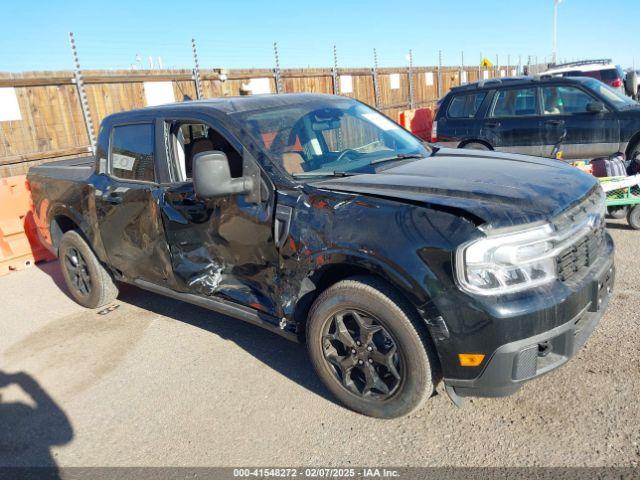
point(418, 304)
point(59, 225)
point(63, 219)
point(416, 297)
point(475, 140)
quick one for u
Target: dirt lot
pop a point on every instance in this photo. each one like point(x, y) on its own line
point(157, 382)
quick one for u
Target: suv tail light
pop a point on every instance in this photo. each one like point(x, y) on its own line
point(434, 131)
point(617, 83)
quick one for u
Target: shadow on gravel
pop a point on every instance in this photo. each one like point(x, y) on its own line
point(30, 429)
point(619, 226)
point(286, 357)
point(53, 270)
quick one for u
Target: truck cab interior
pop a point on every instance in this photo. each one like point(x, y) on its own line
point(190, 139)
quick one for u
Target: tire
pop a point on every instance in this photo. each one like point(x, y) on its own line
point(633, 217)
point(88, 281)
point(617, 212)
point(400, 347)
point(634, 152)
point(475, 146)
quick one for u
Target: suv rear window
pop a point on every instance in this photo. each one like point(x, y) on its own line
point(465, 106)
point(515, 102)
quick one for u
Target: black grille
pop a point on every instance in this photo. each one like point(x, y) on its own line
point(575, 259)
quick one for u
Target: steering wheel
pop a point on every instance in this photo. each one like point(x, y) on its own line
point(345, 152)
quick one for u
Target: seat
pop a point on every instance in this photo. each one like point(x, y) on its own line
point(200, 145)
point(292, 162)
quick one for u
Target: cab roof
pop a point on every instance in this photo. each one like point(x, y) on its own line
point(229, 105)
point(492, 83)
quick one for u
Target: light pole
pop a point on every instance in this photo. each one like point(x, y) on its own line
point(555, 30)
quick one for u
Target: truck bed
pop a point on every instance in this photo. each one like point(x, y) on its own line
point(74, 169)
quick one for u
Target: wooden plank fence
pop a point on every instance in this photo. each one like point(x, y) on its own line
point(52, 124)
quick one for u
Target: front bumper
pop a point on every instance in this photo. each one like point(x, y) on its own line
point(516, 362)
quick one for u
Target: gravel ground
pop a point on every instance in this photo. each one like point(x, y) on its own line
point(157, 382)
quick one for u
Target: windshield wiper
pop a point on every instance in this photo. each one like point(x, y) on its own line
point(322, 174)
point(400, 156)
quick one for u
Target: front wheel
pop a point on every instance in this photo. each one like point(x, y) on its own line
point(367, 350)
point(88, 281)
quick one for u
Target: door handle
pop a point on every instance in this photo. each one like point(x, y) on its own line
point(556, 123)
point(493, 124)
point(282, 224)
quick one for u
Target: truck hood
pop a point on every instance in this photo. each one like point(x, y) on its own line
point(495, 188)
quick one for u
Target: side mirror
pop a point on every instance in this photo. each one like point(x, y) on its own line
point(596, 107)
point(212, 177)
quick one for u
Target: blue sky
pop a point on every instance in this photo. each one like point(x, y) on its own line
point(109, 34)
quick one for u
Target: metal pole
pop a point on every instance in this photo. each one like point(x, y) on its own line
point(374, 74)
point(508, 65)
point(276, 71)
point(519, 64)
point(411, 99)
point(480, 67)
point(497, 67)
point(196, 69)
point(555, 30)
point(462, 67)
point(84, 104)
point(334, 72)
point(439, 90)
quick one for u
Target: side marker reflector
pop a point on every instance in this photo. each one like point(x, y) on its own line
point(470, 359)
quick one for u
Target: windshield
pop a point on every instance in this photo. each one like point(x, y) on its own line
point(618, 99)
point(330, 136)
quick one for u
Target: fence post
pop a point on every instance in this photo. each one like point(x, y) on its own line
point(374, 74)
point(439, 90)
point(196, 69)
point(334, 72)
point(276, 71)
point(519, 64)
point(411, 99)
point(84, 104)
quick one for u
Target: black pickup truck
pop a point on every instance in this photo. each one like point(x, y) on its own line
point(398, 263)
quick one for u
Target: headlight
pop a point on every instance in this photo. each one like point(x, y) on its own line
point(507, 263)
point(517, 260)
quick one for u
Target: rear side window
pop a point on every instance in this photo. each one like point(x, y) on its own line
point(132, 152)
point(465, 106)
point(515, 103)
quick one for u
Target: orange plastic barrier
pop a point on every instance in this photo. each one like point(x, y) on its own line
point(19, 244)
point(418, 121)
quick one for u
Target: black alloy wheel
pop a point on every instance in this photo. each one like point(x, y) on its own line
point(78, 272)
point(363, 355)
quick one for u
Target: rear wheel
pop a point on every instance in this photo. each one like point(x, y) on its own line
point(475, 146)
point(633, 217)
point(366, 349)
point(88, 281)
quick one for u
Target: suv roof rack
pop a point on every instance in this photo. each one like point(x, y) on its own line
point(489, 81)
point(602, 61)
